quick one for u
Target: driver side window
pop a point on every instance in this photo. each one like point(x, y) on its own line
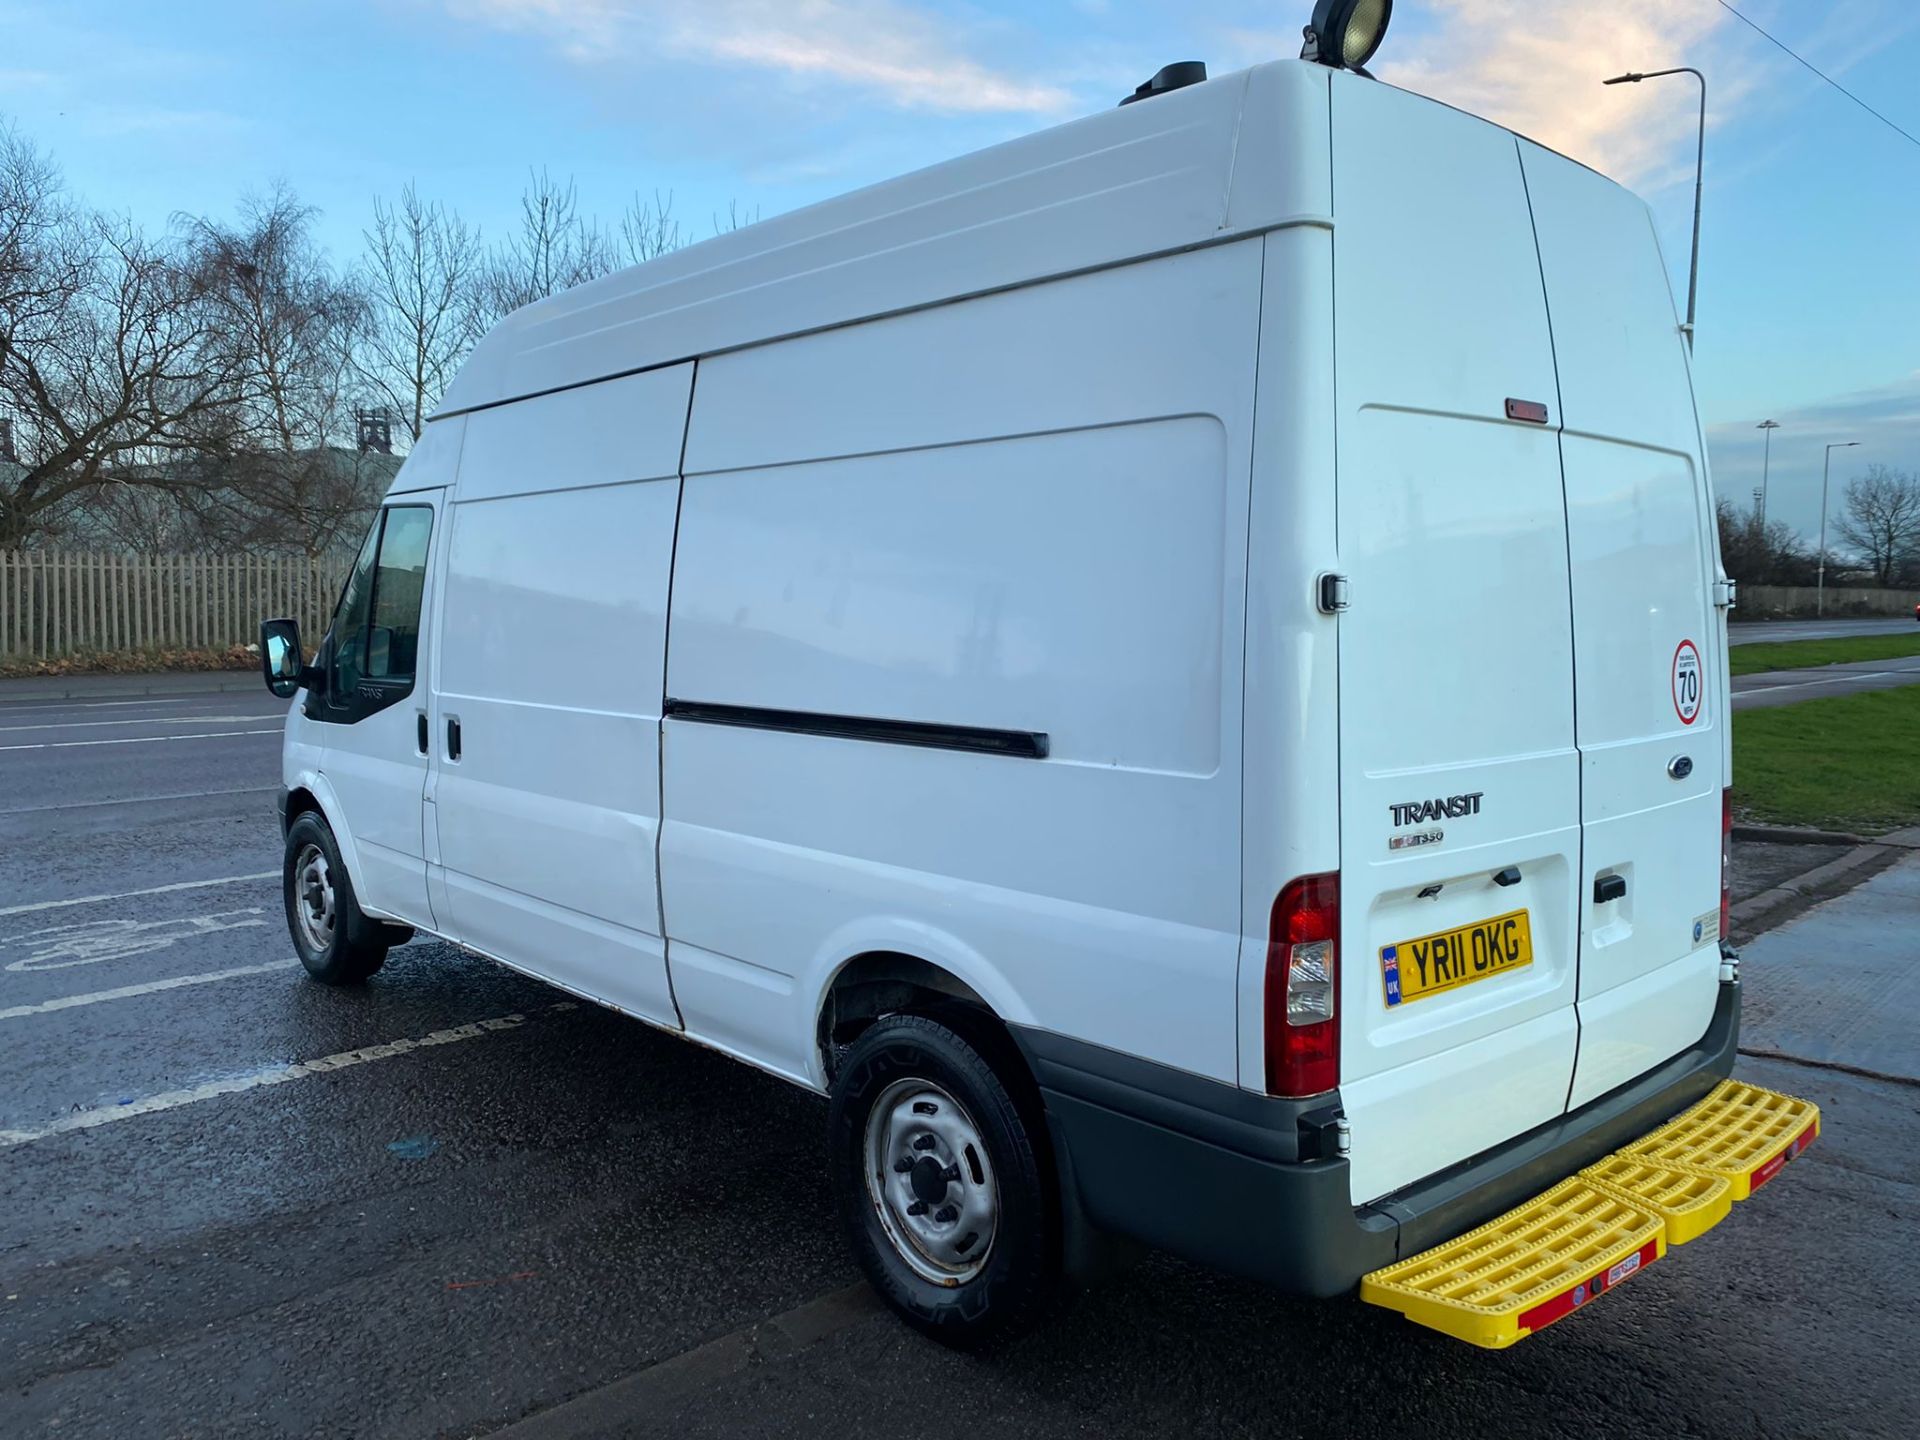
point(376, 628)
point(350, 620)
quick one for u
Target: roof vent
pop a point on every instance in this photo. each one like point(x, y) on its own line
point(1176, 76)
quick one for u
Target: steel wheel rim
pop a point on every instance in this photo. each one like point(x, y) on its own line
point(313, 909)
point(931, 1181)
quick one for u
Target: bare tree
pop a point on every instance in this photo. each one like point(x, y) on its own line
point(555, 248)
point(1880, 517)
point(105, 364)
point(1773, 554)
point(199, 388)
point(738, 217)
point(291, 330)
point(648, 229)
point(418, 279)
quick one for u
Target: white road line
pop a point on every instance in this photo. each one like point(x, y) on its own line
point(139, 800)
point(140, 739)
point(45, 707)
point(1809, 684)
point(130, 894)
point(271, 1075)
point(129, 992)
point(144, 720)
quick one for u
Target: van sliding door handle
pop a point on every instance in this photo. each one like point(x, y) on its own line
point(420, 730)
point(453, 737)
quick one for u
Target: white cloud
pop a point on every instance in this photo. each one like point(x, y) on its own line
point(1537, 69)
point(909, 59)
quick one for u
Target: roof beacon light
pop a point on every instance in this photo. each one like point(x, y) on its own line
point(1345, 33)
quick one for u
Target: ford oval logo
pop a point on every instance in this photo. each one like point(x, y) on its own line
point(1680, 766)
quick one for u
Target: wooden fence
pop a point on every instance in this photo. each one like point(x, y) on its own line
point(1759, 601)
point(56, 602)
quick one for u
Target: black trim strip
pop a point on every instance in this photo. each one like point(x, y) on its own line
point(1025, 744)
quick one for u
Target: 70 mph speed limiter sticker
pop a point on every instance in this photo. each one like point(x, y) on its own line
point(1687, 682)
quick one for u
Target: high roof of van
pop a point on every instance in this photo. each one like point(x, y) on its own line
point(1234, 156)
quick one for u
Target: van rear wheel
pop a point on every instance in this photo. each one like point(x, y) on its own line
point(942, 1183)
point(336, 942)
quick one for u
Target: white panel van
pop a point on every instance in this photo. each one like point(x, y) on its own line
point(1174, 668)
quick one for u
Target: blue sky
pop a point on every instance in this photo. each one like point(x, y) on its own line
point(1810, 273)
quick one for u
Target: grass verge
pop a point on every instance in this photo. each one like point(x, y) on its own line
point(131, 662)
point(1800, 654)
point(1849, 762)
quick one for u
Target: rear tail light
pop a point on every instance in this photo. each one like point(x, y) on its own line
point(1726, 861)
point(1303, 983)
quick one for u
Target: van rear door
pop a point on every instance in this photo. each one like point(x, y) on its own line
point(1648, 641)
point(1459, 780)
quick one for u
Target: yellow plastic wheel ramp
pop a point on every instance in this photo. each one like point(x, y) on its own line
point(1740, 1132)
point(1541, 1261)
point(1691, 1203)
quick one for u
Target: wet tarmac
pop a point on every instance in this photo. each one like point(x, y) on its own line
point(236, 1203)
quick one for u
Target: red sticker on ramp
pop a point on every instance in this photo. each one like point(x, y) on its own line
point(1687, 682)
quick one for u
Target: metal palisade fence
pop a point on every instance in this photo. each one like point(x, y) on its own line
point(55, 603)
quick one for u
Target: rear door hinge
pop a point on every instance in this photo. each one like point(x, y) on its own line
point(1724, 594)
point(1332, 594)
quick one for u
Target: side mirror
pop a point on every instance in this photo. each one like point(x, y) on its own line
point(282, 661)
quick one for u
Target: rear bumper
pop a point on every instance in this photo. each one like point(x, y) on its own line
point(1252, 1185)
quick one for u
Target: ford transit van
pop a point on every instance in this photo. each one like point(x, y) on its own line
point(1174, 668)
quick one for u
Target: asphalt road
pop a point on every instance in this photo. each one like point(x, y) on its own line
point(1749, 632)
point(560, 1223)
point(1789, 687)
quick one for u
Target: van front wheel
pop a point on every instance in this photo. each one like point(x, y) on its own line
point(335, 941)
point(941, 1182)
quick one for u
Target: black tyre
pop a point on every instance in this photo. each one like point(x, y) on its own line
point(942, 1178)
point(337, 944)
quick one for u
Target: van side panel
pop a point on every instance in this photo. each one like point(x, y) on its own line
point(552, 657)
point(1456, 664)
point(1640, 526)
point(933, 525)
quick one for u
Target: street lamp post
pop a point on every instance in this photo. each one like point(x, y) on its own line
point(1765, 459)
point(1826, 465)
point(1634, 77)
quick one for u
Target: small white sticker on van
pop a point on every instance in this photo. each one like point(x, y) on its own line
point(1687, 686)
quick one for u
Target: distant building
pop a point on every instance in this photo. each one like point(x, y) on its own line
point(317, 500)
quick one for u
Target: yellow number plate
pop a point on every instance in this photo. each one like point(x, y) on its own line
point(1448, 959)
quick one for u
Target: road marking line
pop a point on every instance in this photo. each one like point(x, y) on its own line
point(143, 720)
point(1803, 685)
point(40, 707)
point(129, 992)
point(139, 800)
point(139, 740)
point(131, 894)
point(271, 1075)
point(61, 947)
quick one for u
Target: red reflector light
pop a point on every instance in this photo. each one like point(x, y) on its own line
point(1726, 861)
point(1303, 984)
point(1532, 411)
point(1558, 1307)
